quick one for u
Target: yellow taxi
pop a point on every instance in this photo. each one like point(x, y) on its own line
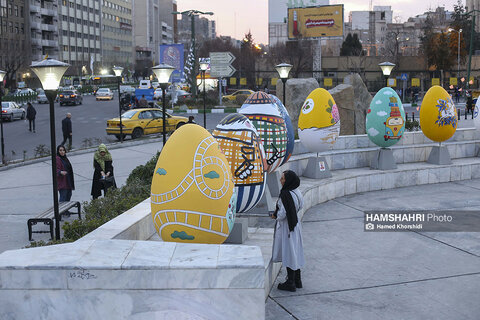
point(232, 96)
point(137, 122)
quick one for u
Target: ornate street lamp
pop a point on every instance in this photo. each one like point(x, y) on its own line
point(50, 72)
point(283, 70)
point(387, 68)
point(118, 73)
point(163, 72)
point(203, 68)
point(2, 75)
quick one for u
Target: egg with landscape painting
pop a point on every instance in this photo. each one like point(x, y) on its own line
point(385, 121)
point(260, 109)
point(193, 196)
point(239, 142)
point(319, 121)
point(438, 117)
point(289, 126)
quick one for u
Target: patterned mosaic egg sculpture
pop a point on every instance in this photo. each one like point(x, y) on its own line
point(193, 195)
point(263, 113)
point(438, 118)
point(238, 139)
point(319, 121)
point(385, 122)
point(476, 117)
point(288, 124)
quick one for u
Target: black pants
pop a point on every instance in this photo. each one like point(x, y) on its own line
point(65, 137)
point(30, 122)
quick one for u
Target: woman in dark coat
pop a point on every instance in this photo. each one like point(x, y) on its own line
point(31, 114)
point(103, 174)
point(65, 180)
point(287, 239)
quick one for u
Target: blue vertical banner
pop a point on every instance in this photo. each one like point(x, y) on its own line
point(172, 54)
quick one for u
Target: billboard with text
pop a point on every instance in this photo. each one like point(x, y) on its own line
point(315, 22)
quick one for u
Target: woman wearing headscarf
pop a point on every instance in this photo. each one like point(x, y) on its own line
point(65, 181)
point(102, 163)
point(287, 239)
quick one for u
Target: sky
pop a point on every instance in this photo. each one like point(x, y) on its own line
point(236, 17)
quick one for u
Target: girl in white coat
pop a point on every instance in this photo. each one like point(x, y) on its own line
point(287, 242)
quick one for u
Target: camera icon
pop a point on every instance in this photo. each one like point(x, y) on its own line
point(369, 226)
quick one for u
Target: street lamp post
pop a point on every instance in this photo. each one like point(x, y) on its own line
point(2, 75)
point(386, 69)
point(163, 73)
point(458, 49)
point(118, 72)
point(203, 68)
point(50, 72)
point(192, 14)
point(283, 70)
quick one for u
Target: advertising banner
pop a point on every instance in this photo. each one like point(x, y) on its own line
point(172, 54)
point(314, 22)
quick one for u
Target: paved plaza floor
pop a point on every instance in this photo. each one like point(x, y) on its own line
point(352, 274)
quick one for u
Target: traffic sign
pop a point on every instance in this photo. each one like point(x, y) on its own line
point(220, 64)
point(217, 58)
point(404, 76)
point(222, 71)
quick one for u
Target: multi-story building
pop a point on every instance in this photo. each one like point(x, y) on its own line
point(153, 26)
point(205, 29)
point(371, 27)
point(14, 38)
point(117, 34)
point(43, 31)
point(79, 35)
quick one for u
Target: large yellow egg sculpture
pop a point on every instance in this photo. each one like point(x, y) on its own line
point(438, 118)
point(319, 121)
point(192, 196)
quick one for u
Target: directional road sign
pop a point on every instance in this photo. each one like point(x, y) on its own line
point(220, 64)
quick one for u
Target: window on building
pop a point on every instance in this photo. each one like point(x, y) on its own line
point(73, 48)
point(65, 48)
point(79, 21)
point(72, 5)
point(72, 34)
point(72, 19)
point(10, 27)
point(16, 10)
point(22, 28)
point(65, 33)
point(10, 9)
point(17, 29)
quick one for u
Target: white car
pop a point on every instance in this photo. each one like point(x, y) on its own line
point(11, 110)
point(41, 97)
point(157, 95)
point(104, 94)
point(145, 84)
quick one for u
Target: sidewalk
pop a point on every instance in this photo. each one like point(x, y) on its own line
point(352, 274)
point(27, 190)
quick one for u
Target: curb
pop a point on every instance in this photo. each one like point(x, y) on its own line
point(219, 110)
point(76, 152)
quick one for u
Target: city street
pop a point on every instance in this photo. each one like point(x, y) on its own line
point(88, 122)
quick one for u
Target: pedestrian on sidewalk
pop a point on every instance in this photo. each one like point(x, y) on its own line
point(31, 114)
point(65, 180)
point(67, 130)
point(103, 177)
point(287, 238)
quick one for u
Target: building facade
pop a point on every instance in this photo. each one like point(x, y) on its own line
point(474, 5)
point(117, 34)
point(79, 35)
point(14, 39)
point(43, 20)
point(153, 26)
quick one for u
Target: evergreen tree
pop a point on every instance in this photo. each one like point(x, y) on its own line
point(351, 46)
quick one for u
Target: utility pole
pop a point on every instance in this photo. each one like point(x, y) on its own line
point(470, 13)
point(193, 75)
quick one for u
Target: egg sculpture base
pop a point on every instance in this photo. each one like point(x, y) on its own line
point(383, 159)
point(439, 155)
point(317, 168)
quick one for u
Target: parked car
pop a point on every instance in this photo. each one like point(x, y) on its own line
point(233, 96)
point(127, 90)
point(24, 91)
point(137, 122)
point(104, 94)
point(41, 96)
point(11, 110)
point(145, 84)
point(157, 95)
point(70, 97)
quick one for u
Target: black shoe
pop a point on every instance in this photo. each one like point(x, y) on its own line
point(288, 285)
point(298, 279)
